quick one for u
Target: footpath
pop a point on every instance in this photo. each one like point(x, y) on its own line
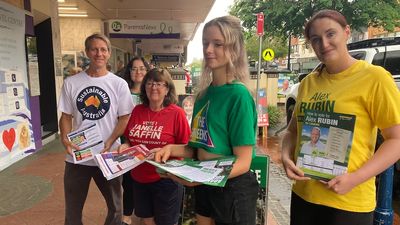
point(32, 191)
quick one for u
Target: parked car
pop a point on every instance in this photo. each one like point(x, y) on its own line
point(383, 52)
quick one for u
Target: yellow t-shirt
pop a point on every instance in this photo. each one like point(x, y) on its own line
point(369, 93)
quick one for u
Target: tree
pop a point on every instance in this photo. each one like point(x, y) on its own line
point(196, 63)
point(277, 44)
point(287, 17)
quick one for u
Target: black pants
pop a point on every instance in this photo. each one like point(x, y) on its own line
point(303, 212)
point(128, 198)
point(234, 204)
point(76, 186)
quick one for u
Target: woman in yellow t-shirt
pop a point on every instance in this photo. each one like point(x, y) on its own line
point(351, 88)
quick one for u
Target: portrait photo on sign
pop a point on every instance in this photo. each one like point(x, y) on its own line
point(187, 102)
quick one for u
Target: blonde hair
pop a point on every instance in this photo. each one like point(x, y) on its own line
point(234, 50)
point(94, 36)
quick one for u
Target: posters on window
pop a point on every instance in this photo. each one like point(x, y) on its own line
point(285, 82)
point(16, 135)
point(68, 63)
point(73, 62)
point(33, 66)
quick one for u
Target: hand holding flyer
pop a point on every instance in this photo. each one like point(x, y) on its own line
point(89, 140)
point(212, 172)
point(325, 144)
point(114, 164)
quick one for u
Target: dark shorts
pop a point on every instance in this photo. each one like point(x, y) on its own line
point(161, 199)
point(303, 212)
point(233, 204)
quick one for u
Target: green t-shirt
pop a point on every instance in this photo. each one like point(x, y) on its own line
point(224, 117)
point(136, 99)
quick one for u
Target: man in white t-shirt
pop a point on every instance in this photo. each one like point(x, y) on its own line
point(314, 146)
point(100, 97)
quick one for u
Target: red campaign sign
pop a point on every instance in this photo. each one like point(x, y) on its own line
point(260, 24)
point(262, 120)
point(262, 108)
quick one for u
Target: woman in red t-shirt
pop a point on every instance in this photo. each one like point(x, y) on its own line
point(156, 123)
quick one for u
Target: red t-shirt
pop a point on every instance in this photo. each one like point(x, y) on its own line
point(155, 130)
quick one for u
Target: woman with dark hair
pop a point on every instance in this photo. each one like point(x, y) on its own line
point(156, 123)
point(133, 75)
point(348, 198)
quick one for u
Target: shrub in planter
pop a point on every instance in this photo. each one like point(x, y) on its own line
point(274, 116)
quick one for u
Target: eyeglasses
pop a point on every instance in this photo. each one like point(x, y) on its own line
point(136, 69)
point(155, 84)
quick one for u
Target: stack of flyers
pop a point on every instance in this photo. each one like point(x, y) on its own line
point(89, 141)
point(213, 172)
point(114, 164)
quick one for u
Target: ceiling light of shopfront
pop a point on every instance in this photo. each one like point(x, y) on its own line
point(68, 8)
point(72, 15)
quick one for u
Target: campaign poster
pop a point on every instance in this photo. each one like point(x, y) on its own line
point(262, 108)
point(187, 103)
point(285, 82)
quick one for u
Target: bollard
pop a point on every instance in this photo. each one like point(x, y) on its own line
point(383, 214)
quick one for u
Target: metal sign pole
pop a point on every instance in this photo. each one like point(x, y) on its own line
point(258, 76)
point(383, 214)
point(260, 33)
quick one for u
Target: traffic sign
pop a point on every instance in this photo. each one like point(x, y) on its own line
point(260, 24)
point(268, 54)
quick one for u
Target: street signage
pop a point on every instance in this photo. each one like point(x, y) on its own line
point(165, 58)
point(268, 54)
point(260, 24)
point(143, 29)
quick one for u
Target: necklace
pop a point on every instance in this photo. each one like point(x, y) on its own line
point(149, 111)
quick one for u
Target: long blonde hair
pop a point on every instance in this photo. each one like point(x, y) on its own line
point(234, 49)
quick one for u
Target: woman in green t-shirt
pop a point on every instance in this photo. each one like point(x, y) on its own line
point(224, 123)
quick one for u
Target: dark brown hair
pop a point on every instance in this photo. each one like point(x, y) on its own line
point(326, 13)
point(127, 72)
point(159, 75)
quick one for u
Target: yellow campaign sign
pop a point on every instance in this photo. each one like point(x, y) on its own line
point(268, 54)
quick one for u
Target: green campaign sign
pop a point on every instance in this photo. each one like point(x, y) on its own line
point(260, 166)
